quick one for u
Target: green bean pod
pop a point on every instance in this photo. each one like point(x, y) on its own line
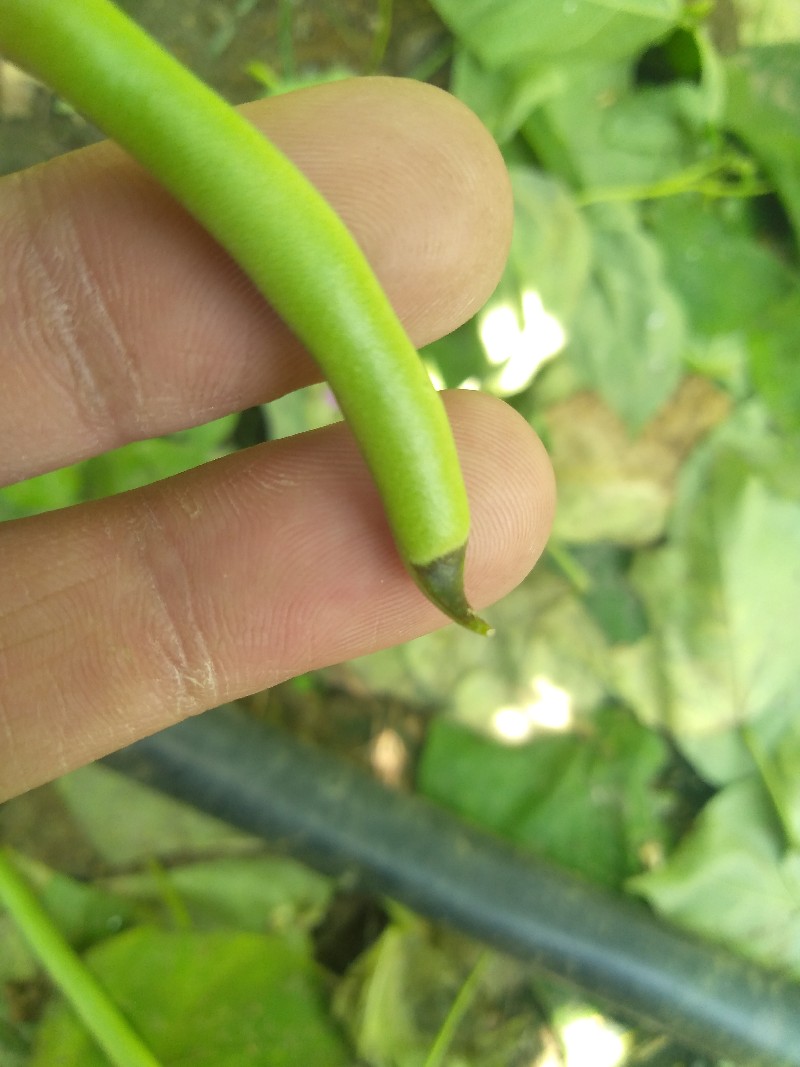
point(292, 245)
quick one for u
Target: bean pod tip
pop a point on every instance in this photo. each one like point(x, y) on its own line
point(442, 582)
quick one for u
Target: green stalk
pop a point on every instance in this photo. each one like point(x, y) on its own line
point(725, 175)
point(458, 1010)
point(100, 1015)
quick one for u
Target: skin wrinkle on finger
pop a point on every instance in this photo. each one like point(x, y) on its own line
point(98, 654)
point(74, 320)
point(196, 340)
point(34, 374)
point(263, 565)
point(179, 640)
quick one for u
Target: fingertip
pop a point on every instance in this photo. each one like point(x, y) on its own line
point(512, 492)
point(434, 218)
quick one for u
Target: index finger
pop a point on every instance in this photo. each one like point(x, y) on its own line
point(122, 319)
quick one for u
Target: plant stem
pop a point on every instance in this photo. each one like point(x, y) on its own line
point(726, 175)
point(100, 1015)
point(458, 1010)
point(382, 34)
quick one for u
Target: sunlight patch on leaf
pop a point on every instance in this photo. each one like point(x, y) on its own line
point(549, 708)
point(547, 633)
point(590, 1040)
point(526, 322)
point(518, 346)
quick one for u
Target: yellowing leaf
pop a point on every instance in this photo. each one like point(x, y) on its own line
point(613, 487)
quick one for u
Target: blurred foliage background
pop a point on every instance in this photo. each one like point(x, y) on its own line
point(636, 718)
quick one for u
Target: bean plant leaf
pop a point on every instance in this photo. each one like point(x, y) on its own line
point(398, 1000)
point(248, 893)
point(212, 999)
point(774, 348)
point(629, 333)
point(84, 914)
point(458, 357)
point(732, 879)
point(503, 99)
point(96, 795)
point(550, 645)
point(551, 249)
point(604, 135)
point(723, 597)
point(504, 32)
point(610, 598)
point(764, 110)
point(724, 275)
point(781, 768)
point(585, 800)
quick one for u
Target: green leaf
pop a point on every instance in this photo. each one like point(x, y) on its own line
point(213, 999)
point(143, 462)
point(613, 488)
point(764, 110)
point(84, 914)
point(610, 597)
point(57, 489)
point(775, 361)
point(586, 800)
point(732, 880)
point(503, 100)
point(723, 596)
point(424, 997)
point(376, 1003)
point(628, 335)
point(303, 409)
point(717, 262)
point(603, 135)
point(153, 824)
point(782, 772)
point(251, 893)
point(504, 32)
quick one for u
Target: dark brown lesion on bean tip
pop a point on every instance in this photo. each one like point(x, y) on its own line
point(442, 582)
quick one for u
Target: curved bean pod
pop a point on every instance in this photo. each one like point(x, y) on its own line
point(292, 245)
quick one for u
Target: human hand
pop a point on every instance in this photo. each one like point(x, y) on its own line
point(120, 319)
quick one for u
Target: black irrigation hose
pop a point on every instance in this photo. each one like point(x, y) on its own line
point(337, 819)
